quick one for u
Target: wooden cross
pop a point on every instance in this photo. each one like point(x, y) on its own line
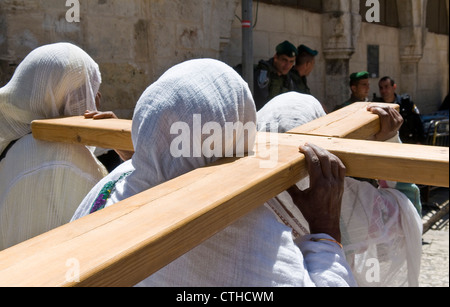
point(122, 244)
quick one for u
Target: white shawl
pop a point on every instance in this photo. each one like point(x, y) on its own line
point(191, 93)
point(42, 183)
point(52, 81)
point(381, 229)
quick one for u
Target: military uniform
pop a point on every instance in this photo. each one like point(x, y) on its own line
point(412, 131)
point(268, 84)
point(267, 81)
point(300, 83)
point(349, 102)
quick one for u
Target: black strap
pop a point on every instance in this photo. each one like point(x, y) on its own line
point(3, 155)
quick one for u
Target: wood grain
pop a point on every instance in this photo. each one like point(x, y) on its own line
point(106, 133)
point(351, 122)
point(124, 243)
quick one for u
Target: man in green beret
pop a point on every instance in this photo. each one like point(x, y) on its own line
point(304, 64)
point(359, 86)
point(272, 77)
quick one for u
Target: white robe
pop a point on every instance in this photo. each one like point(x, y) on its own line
point(41, 185)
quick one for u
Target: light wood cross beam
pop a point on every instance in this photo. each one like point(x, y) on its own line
point(124, 243)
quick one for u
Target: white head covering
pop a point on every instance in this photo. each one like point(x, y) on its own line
point(42, 183)
point(288, 111)
point(381, 230)
point(52, 81)
point(203, 89)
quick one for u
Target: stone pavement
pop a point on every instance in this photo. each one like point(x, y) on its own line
point(435, 248)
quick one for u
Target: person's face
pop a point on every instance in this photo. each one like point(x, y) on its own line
point(387, 90)
point(283, 63)
point(361, 90)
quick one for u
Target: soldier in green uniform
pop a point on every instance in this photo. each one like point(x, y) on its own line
point(359, 85)
point(304, 64)
point(272, 77)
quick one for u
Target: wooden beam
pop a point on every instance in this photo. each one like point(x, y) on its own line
point(351, 122)
point(427, 165)
point(124, 243)
point(116, 133)
point(106, 133)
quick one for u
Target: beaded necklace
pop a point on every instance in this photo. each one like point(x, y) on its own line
point(105, 193)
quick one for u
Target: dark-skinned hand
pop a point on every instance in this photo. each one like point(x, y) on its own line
point(320, 204)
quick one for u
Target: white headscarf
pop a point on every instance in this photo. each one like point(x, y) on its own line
point(288, 111)
point(52, 81)
point(381, 229)
point(42, 183)
point(203, 89)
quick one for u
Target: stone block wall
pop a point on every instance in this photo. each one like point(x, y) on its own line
point(275, 24)
point(133, 41)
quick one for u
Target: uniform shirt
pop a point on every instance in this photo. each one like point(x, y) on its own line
point(300, 82)
point(351, 100)
point(268, 84)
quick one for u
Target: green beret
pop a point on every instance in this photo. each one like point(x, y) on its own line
point(359, 75)
point(287, 48)
point(303, 48)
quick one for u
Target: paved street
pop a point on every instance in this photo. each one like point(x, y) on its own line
point(435, 248)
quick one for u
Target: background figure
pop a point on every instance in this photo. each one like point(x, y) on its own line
point(412, 130)
point(381, 228)
point(42, 183)
point(359, 86)
point(256, 250)
point(304, 65)
point(272, 77)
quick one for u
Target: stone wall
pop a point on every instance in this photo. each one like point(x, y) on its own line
point(133, 41)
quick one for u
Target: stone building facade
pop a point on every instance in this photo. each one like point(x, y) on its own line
point(135, 41)
point(411, 39)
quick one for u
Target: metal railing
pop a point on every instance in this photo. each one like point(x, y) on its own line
point(437, 133)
